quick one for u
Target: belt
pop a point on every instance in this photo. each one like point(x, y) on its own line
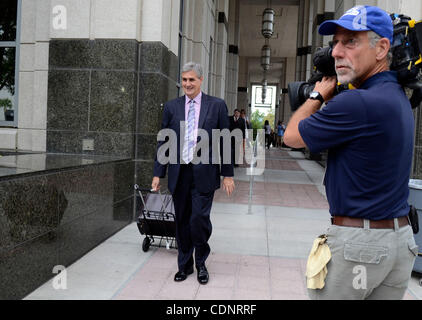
point(359, 222)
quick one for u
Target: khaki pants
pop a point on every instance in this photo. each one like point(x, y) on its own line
point(373, 264)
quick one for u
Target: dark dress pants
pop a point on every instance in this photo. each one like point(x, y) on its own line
point(193, 224)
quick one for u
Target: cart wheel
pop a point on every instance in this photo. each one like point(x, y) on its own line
point(146, 244)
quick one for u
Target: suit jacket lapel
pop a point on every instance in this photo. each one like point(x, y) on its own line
point(180, 111)
point(204, 110)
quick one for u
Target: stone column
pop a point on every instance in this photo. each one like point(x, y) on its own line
point(289, 77)
point(305, 48)
point(200, 22)
point(300, 41)
point(108, 78)
point(345, 5)
point(232, 68)
point(310, 17)
point(283, 96)
point(242, 90)
point(33, 77)
point(221, 49)
point(93, 76)
point(158, 78)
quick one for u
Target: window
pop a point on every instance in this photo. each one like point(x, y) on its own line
point(9, 49)
point(267, 102)
point(268, 105)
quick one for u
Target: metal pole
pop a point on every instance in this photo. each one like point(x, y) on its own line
point(251, 177)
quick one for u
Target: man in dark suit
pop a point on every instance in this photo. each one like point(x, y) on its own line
point(235, 123)
point(234, 120)
point(193, 184)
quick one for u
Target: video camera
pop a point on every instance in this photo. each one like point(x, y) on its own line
point(407, 62)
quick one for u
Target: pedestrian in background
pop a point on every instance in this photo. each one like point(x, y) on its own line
point(280, 134)
point(267, 129)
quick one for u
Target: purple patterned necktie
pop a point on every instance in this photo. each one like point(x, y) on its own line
point(189, 134)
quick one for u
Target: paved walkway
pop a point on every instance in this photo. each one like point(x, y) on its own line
point(258, 252)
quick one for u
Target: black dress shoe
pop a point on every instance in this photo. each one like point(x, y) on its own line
point(182, 275)
point(203, 276)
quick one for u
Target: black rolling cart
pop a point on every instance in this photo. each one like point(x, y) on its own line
point(155, 219)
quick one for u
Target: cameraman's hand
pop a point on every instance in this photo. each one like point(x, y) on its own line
point(327, 87)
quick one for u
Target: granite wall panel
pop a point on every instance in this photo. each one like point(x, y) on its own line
point(79, 236)
point(29, 208)
point(55, 217)
point(154, 57)
point(124, 179)
point(86, 190)
point(71, 54)
point(27, 266)
point(112, 101)
point(92, 95)
point(144, 173)
point(105, 143)
point(68, 100)
point(93, 54)
point(108, 90)
point(146, 146)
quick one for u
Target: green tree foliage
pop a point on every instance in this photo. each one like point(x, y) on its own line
point(257, 120)
point(6, 104)
point(8, 14)
point(271, 119)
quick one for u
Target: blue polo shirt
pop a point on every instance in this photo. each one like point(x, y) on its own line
point(368, 133)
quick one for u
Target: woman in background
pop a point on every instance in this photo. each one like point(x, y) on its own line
point(267, 129)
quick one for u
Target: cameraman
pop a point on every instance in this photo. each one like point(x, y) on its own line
point(369, 135)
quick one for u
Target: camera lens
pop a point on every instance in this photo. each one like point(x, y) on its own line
point(299, 92)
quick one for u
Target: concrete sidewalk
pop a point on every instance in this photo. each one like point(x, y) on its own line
point(258, 252)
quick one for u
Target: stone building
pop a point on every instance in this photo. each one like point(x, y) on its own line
point(84, 82)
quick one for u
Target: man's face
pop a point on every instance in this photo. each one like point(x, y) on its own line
point(354, 57)
point(191, 84)
point(237, 114)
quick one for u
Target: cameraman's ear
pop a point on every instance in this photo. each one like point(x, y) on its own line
point(383, 47)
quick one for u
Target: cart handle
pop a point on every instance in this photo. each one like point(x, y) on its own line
point(143, 189)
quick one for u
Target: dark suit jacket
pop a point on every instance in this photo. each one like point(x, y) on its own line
point(234, 124)
point(213, 115)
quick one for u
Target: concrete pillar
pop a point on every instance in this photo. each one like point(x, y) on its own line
point(242, 91)
point(283, 97)
point(232, 68)
point(300, 40)
point(305, 39)
point(289, 77)
point(200, 38)
point(221, 49)
point(412, 8)
point(309, 62)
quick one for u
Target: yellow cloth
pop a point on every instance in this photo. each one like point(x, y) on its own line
point(316, 269)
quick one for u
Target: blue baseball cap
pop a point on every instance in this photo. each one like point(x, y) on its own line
point(362, 18)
